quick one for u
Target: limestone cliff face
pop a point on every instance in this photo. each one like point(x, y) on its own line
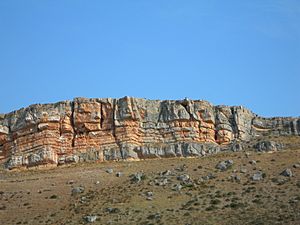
point(127, 128)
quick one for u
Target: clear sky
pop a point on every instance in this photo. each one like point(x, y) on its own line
point(227, 52)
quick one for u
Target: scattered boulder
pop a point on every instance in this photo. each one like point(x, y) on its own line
point(253, 162)
point(181, 168)
point(234, 178)
point(280, 181)
point(267, 146)
point(183, 177)
point(294, 200)
point(209, 176)
point(258, 176)
point(236, 147)
point(112, 210)
point(72, 159)
point(109, 170)
point(138, 177)
point(149, 195)
point(119, 174)
point(70, 182)
point(177, 187)
point(83, 199)
point(287, 173)
point(296, 165)
point(77, 190)
point(162, 182)
point(149, 198)
point(166, 173)
point(90, 219)
point(243, 170)
point(224, 165)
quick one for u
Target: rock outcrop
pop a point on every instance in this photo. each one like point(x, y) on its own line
point(127, 128)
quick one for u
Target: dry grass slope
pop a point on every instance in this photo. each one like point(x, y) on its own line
point(170, 191)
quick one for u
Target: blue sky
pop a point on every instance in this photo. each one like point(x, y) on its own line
point(227, 52)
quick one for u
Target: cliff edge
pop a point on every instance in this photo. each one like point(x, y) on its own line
point(128, 128)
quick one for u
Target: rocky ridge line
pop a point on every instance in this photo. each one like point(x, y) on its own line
point(128, 128)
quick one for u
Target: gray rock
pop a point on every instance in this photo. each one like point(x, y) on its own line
point(294, 200)
point(253, 162)
point(276, 126)
point(70, 182)
point(112, 154)
point(89, 156)
point(181, 168)
point(178, 149)
point(162, 182)
point(210, 176)
point(267, 146)
point(112, 210)
point(183, 177)
point(243, 170)
point(137, 177)
point(40, 156)
point(149, 198)
point(149, 194)
point(177, 187)
point(119, 174)
point(71, 159)
point(296, 165)
point(83, 199)
point(287, 173)
point(77, 190)
point(258, 176)
point(109, 170)
point(281, 181)
point(166, 173)
point(224, 165)
point(247, 154)
point(90, 219)
point(236, 147)
point(234, 178)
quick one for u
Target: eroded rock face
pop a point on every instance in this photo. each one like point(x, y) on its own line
point(127, 128)
point(267, 146)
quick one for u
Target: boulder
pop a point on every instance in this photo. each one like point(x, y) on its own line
point(267, 146)
point(258, 176)
point(183, 177)
point(109, 170)
point(137, 177)
point(224, 165)
point(287, 173)
point(90, 219)
point(77, 190)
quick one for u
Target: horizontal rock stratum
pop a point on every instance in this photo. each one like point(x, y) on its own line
point(128, 128)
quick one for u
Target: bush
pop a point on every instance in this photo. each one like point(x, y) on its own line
point(53, 197)
point(215, 201)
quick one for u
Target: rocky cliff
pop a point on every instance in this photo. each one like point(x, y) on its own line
point(128, 128)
